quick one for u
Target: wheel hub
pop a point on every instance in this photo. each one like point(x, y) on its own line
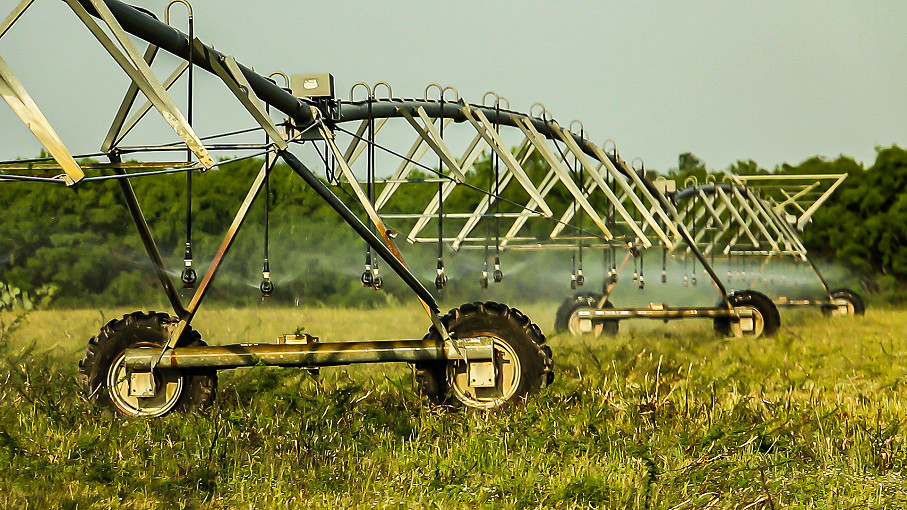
point(143, 393)
point(749, 322)
point(486, 384)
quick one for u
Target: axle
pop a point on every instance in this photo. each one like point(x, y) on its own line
point(310, 354)
point(662, 312)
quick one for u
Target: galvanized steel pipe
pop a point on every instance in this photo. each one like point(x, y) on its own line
point(287, 355)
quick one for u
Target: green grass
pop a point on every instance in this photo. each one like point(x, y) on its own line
point(663, 416)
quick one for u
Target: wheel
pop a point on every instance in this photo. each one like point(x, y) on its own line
point(102, 373)
point(563, 312)
point(567, 319)
point(847, 302)
point(765, 317)
point(522, 360)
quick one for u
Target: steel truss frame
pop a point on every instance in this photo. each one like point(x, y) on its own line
point(113, 23)
point(622, 207)
point(732, 219)
point(609, 205)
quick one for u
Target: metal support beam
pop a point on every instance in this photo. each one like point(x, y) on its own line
point(478, 119)
point(228, 71)
point(388, 253)
point(14, 16)
point(138, 70)
point(15, 95)
point(292, 355)
point(144, 231)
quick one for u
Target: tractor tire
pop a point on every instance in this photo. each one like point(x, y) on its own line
point(102, 373)
point(522, 360)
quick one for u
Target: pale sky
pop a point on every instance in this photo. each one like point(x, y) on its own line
point(773, 81)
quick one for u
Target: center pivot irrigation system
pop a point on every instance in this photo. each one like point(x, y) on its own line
point(434, 169)
point(147, 364)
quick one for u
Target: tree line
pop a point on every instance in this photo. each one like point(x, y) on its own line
point(78, 245)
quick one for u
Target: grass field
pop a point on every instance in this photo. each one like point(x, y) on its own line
point(662, 416)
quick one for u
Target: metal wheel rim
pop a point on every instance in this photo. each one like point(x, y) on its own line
point(509, 374)
point(573, 325)
point(169, 383)
point(758, 325)
point(843, 302)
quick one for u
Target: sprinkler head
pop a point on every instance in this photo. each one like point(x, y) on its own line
point(664, 277)
point(441, 279)
point(188, 276)
point(612, 276)
point(693, 281)
point(266, 287)
point(572, 281)
point(483, 281)
point(635, 278)
point(642, 283)
point(497, 275)
point(366, 278)
point(580, 279)
point(686, 280)
point(377, 281)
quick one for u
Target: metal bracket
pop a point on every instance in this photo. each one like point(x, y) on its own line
point(478, 353)
point(142, 385)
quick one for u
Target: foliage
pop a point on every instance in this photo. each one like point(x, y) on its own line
point(81, 242)
point(13, 298)
point(865, 223)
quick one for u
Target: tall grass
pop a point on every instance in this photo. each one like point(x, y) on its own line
point(662, 416)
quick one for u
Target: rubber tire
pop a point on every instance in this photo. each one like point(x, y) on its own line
point(856, 302)
point(138, 328)
point(505, 324)
point(583, 300)
point(770, 317)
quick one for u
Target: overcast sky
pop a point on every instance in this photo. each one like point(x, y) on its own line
point(773, 81)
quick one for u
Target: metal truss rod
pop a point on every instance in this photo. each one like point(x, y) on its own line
point(169, 39)
point(15, 95)
point(353, 221)
point(15, 15)
point(144, 230)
